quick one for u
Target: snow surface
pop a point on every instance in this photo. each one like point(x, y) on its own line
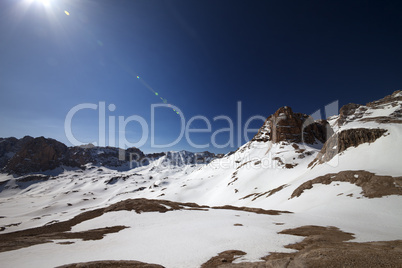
point(155, 237)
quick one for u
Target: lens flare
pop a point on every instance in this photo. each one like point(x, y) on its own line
point(156, 93)
point(67, 13)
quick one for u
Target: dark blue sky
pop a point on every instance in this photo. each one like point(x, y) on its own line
point(201, 56)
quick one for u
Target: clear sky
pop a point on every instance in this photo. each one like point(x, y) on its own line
point(201, 56)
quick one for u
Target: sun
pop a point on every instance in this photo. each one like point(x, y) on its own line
point(44, 2)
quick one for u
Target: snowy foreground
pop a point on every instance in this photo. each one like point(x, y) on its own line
point(255, 176)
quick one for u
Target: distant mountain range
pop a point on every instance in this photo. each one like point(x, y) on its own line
point(33, 155)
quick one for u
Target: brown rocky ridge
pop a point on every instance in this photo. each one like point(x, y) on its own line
point(372, 185)
point(109, 264)
point(223, 258)
point(345, 139)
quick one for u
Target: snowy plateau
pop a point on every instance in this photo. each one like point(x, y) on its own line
point(328, 195)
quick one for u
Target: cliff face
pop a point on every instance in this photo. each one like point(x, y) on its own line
point(284, 125)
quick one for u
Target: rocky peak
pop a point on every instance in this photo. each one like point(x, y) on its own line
point(285, 125)
point(390, 99)
point(37, 154)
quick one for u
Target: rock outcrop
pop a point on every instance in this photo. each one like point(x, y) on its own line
point(372, 185)
point(284, 125)
point(341, 141)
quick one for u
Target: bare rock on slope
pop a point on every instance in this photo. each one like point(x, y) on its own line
point(225, 257)
point(339, 142)
point(109, 264)
point(347, 111)
point(372, 185)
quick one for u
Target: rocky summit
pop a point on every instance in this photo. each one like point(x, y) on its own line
point(285, 125)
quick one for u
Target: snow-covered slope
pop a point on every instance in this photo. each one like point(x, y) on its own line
point(355, 177)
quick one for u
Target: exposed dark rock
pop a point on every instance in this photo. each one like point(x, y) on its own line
point(284, 125)
point(225, 257)
point(110, 264)
point(266, 194)
point(372, 185)
point(140, 205)
point(26, 181)
point(355, 137)
point(339, 142)
point(254, 210)
point(345, 111)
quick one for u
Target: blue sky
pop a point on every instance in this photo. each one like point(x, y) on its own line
point(201, 56)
